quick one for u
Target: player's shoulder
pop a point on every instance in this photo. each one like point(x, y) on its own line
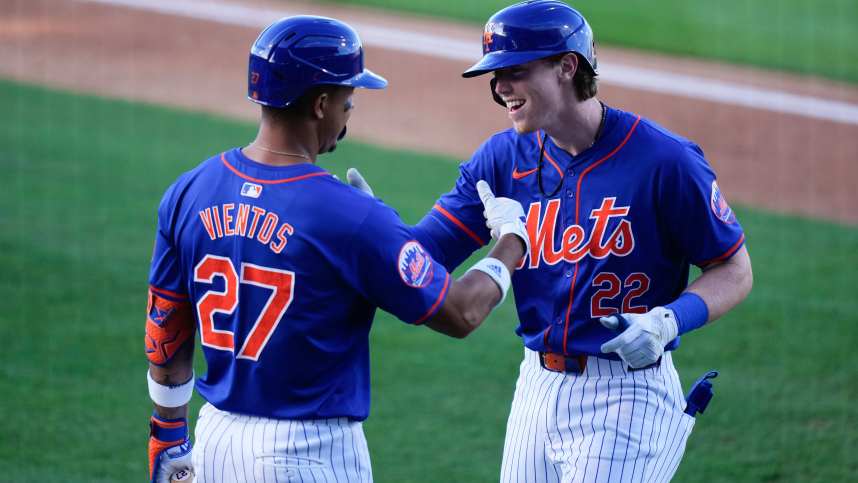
point(188, 179)
point(662, 145)
point(340, 203)
point(500, 149)
point(665, 138)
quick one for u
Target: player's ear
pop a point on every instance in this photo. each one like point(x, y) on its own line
point(320, 103)
point(568, 66)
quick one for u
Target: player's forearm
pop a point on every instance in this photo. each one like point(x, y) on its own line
point(725, 285)
point(469, 302)
point(171, 377)
point(178, 370)
point(475, 294)
point(509, 250)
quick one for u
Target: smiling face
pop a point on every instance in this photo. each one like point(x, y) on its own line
point(534, 93)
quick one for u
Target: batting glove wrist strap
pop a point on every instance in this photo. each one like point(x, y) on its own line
point(170, 396)
point(518, 229)
point(497, 271)
point(168, 430)
point(169, 448)
point(690, 310)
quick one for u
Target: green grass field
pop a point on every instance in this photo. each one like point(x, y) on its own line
point(84, 177)
point(806, 36)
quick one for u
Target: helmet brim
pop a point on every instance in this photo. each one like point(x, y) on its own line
point(367, 80)
point(503, 59)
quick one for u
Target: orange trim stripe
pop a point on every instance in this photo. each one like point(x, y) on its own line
point(437, 302)
point(729, 253)
point(577, 211)
point(545, 338)
point(458, 223)
point(167, 292)
point(169, 424)
point(269, 181)
point(548, 156)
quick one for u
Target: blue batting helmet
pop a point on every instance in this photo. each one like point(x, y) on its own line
point(296, 53)
point(533, 30)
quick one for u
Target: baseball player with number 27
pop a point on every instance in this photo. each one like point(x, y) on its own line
point(281, 266)
point(617, 210)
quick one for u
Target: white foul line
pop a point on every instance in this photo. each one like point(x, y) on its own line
point(469, 51)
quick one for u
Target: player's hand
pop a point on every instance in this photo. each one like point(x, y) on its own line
point(357, 181)
point(503, 215)
point(643, 336)
point(169, 448)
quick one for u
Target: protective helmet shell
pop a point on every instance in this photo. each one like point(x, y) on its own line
point(296, 53)
point(534, 30)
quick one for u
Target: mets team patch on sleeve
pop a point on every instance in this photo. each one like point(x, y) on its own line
point(719, 205)
point(415, 265)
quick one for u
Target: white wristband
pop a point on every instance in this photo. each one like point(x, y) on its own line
point(498, 272)
point(170, 396)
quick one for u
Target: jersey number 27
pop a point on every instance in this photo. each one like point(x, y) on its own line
point(280, 282)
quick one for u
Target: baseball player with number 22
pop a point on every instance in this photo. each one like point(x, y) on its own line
point(281, 266)
point(617, 210)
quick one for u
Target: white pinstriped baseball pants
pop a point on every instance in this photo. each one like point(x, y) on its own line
point(238, 448)
point(605, 425)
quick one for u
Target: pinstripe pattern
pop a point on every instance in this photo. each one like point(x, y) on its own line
point(605, 425)
point(240, 448)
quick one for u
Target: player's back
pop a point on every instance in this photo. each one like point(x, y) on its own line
point(263, 254)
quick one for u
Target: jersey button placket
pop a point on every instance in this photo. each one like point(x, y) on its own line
point(568, 202)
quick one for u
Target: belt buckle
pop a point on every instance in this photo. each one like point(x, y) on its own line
point(560, 363)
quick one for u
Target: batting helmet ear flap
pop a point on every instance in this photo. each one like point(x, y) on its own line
point(493, 84)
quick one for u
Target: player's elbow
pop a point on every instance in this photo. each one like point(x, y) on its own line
point(745, 274)
point(747, 282)
point(461, 324)
point(470, 320)
point(457, 320)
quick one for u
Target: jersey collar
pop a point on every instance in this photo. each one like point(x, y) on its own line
point(242, 166)
point(612, 134)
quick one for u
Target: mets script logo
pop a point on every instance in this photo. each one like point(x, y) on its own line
point(576, 243)
point(719, 205)
point(415, 266)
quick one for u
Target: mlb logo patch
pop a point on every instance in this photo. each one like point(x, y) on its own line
point(415, 265)
point(719, 205)
point(251, 190)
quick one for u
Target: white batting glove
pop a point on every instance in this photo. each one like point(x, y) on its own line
point(643, 336)
point(503, 215)
point(175, 463)
point(357, 181)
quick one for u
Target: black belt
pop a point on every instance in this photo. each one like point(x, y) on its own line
point(575, 364)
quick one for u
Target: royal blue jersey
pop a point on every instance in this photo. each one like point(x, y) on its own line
point(285, 267)
point(630, 215)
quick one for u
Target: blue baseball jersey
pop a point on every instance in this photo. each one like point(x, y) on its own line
point(630, 215)
point(284, 267)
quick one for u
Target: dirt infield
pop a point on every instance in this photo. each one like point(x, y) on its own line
point(785, 163)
